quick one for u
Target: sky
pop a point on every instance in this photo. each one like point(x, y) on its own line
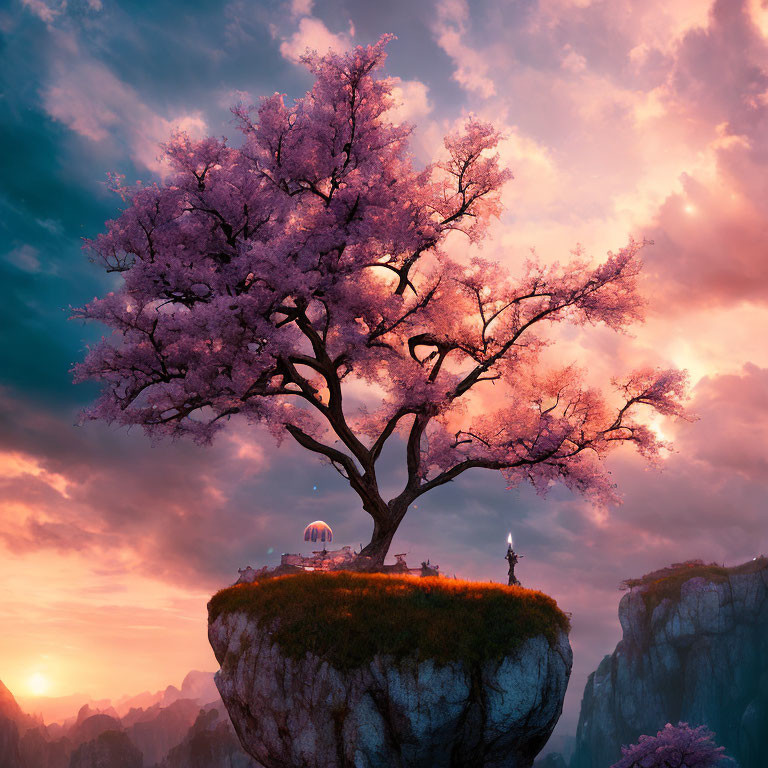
point(643, 118)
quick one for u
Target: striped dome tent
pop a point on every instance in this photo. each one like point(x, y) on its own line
point(318, 531)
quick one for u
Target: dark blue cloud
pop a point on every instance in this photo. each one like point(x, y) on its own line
point(176, 58)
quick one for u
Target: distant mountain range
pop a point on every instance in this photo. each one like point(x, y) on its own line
point(60, 709)
point(174, 728)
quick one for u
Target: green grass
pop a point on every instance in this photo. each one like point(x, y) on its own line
point(348, 618)
point(667, 582)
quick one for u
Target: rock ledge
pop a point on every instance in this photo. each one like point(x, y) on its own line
point(389, 711)
point(694, 649)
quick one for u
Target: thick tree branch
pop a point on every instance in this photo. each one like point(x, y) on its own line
point(328, 368)
point(455, 471)
point(389, 428)
point(383, 328)
point(473, 376)
point(309, 442)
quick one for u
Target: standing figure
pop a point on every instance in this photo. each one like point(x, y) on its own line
point(512, 559)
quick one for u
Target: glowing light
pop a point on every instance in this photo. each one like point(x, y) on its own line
point(38, 684)
point(690, 209)
point(509, 539)
point(759, 16)
point(657, 429)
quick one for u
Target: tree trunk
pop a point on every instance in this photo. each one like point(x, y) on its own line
point(379, 544)
point(384, 530)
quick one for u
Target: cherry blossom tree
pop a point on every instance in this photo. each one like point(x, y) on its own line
point(301, 281)
point(678, 746)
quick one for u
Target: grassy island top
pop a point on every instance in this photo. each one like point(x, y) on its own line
point(347, 618)
point(667, 582)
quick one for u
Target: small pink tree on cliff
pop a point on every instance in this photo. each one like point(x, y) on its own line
point(270, 281)
point(675, 746)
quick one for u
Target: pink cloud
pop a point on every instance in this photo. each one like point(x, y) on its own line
point(43, 11)
point(49, 13)
point(299, 8)
point(309, 33)
point(657, 130)
point(89, 99)
point(733, 412)
point(711, 243)
point(412, 102)
point(25, 257)
point(572, 60)
point(312, 34)
point(471, 66)
point(712, 235)
point(66, 489)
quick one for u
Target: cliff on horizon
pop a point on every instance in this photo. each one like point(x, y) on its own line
point(694, 649)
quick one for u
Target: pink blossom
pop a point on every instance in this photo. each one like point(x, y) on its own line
point(678, 746)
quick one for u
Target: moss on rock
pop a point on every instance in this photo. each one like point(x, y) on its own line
point(348, 618)
point(666, 583)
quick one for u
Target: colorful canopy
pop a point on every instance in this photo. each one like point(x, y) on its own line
point(318, 531)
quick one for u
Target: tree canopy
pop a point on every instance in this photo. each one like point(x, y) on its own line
point(281, 280)
point(675, 746)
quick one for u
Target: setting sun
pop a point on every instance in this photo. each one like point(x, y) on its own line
point(38, 684)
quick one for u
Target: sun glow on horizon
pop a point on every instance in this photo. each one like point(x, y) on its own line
point(38, 684)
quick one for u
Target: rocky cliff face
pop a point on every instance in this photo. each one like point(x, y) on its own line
point(10, 710)
point(210, 743)
point(39, 750)
point(14, 725)
point(91, 726)
point(388, 713)
point(163, 729)
point(694, 649)
point(111, 749)
point(9, 744)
